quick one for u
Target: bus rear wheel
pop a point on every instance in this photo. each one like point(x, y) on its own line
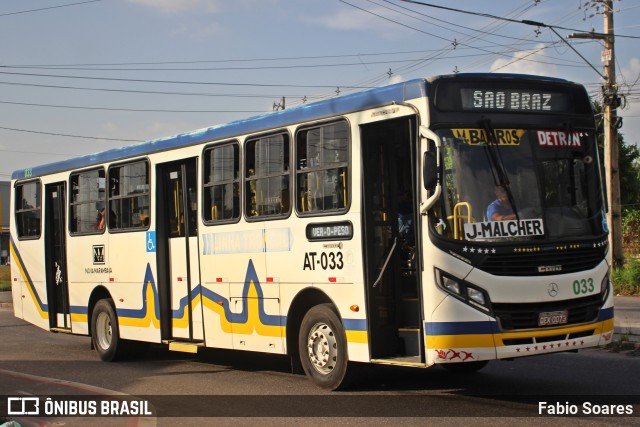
point(322, 344)
point(105, 334)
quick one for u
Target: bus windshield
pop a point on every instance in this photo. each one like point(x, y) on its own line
point(520, 184)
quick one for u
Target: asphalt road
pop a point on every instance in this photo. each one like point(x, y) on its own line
point(232, 388)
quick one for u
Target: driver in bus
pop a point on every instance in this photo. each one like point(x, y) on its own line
point(500, 209)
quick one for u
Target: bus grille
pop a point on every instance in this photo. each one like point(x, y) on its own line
point(525, 316)
point(528, 264)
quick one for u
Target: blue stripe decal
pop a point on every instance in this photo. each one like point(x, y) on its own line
point(78, 309)
point(180, 312)
point(355, 324)
point(461, 328)
point(142, 312)
point(605, 314)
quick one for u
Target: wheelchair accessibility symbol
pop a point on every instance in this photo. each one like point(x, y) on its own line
point(151, 241)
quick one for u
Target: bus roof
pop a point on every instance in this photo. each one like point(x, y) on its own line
point(371, 98)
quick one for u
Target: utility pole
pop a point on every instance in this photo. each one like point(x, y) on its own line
point(611, 125)
point(279, 106)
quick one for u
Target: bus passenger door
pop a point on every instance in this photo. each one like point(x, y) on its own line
point(56, 256)
point(178, 267)
point(389, 218)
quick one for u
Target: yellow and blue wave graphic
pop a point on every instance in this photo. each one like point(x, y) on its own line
point(252, 318)
point(149, 313)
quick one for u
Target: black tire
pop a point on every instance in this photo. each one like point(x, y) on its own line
point(322, 344)
point(105, 334)
point(466, 367)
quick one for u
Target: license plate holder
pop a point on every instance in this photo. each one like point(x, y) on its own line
point(549, 318)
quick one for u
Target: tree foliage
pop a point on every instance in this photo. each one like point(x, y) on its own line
point(628, 163)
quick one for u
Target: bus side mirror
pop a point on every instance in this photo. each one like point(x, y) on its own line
point(430, 146)
point(430, 170)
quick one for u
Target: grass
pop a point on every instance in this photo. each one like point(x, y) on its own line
point(626, 279)
point(5, 279)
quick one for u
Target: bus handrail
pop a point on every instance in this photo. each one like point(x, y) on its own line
point(384, 267)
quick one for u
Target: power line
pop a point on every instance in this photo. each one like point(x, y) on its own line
point(268, 67)
point(422, 63)
point(229, 95)
point(217, 61)
point(180, 82)
point(68, 136)
point(395, 22)
point(66, 155)
point(128, 109)
point(515, 21)
point(440, 53)
point(49, 8)
point(456, 25)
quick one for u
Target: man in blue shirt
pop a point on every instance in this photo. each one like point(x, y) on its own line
point(500, 209)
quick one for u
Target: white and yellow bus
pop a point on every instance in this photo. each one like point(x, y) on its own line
point(452, 220)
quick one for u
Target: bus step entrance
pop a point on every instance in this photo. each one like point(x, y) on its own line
point(411, 340)
point(61, 330)
point(185, 346)
point(408, 329)
point(401, 361)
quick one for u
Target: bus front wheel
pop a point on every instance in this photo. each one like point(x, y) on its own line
point(105, 334)
point(322, 344)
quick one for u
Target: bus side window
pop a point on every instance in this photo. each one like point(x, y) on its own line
point(129, 198)
point(322, 168)
point(28, 202)
point(221, 193)
point(88, 198)
point(267, 176)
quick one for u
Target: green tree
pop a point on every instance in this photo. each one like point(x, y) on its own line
point(629, 158)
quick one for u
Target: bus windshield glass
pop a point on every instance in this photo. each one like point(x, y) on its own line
point(505, 184)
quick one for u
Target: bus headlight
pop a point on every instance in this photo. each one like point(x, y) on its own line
point(451, 285)
point(476, 296)
point(604, 287)
point(466, 292)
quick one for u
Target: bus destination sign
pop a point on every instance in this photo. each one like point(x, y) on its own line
point(513, 101)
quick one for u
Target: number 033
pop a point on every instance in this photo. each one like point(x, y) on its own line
point(584, 286)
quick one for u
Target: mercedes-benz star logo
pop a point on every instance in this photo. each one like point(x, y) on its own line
point(553, 289)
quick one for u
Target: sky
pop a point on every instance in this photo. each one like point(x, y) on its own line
point(79, 76)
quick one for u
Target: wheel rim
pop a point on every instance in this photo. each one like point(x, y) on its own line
point(322, 348)
point(103, 331)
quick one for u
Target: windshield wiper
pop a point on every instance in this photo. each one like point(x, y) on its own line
point(498, 172)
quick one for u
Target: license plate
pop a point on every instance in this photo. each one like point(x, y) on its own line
point(553, 318)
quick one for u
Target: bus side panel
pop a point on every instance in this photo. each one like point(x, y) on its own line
point(133, 285)
point(334, 268)
point(15, 277)
point(215, 295)
point(87, 268)
point(235, 297)
point(27, 264)
point(254, 300)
